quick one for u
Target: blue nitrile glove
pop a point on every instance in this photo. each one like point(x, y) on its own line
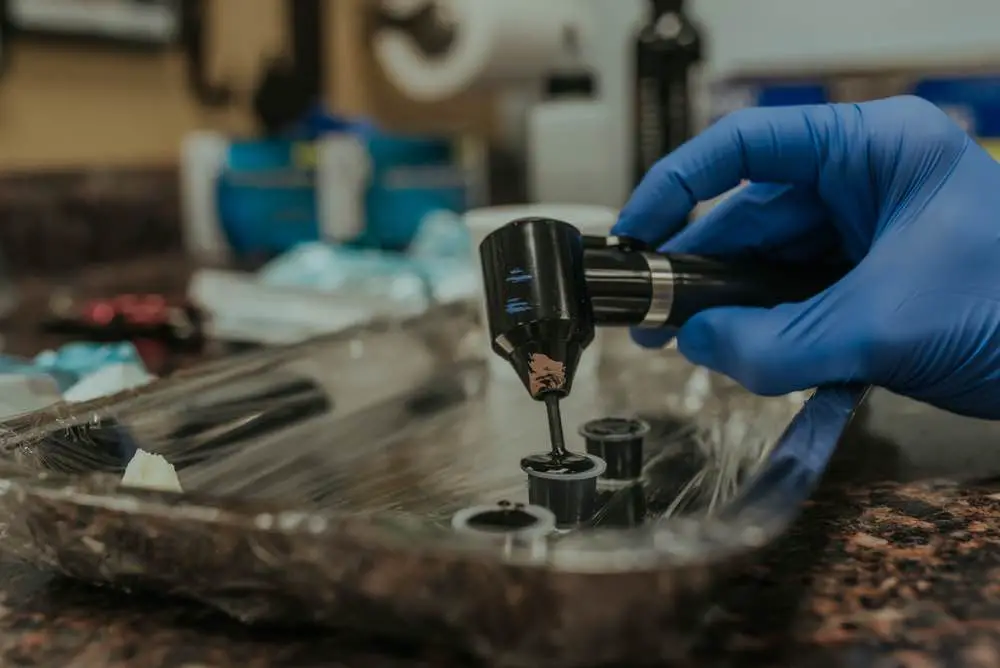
point(901, 191)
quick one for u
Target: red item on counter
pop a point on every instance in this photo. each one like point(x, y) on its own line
point(129, 317)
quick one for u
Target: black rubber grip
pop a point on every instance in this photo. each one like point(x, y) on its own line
point(701, 283)
point(619, 286)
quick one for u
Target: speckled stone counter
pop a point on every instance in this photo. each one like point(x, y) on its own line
point(883, 576)
point(879, 574)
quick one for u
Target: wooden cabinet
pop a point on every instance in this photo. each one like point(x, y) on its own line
point(65, 106)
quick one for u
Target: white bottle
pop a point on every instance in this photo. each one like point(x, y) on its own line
point(343, 169)
point(569, 137)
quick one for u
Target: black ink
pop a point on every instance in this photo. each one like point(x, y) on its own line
point(502, 520)
point(549, 464)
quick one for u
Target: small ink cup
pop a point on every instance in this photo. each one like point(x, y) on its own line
point(514, 528)
point(566, 485)
point(620, 443)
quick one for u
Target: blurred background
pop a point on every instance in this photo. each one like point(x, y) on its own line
point(183, 174)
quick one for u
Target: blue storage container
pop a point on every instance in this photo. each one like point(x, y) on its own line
point(267, 191)
point(267, 202)
point(411, 178)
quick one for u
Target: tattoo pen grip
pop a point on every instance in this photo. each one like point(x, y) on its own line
point(701, 283)
point(631, 287)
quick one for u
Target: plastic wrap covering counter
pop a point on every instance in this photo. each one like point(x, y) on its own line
point(320, 481)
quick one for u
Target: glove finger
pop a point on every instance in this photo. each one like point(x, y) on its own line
point(653, 338)
point(777, 220)
point(785, 349)
point(775, 145)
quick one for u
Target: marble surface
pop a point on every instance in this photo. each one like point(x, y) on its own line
point(874, 573)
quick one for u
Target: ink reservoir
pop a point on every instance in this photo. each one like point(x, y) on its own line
point(620, 442)
point(566, 484)
point(515, 527)
point(621, 494)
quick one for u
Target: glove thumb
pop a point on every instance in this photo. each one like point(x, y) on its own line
point(775, 351)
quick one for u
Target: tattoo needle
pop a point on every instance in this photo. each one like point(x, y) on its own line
point(555, 425)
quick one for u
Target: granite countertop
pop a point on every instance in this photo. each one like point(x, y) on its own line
point(885, 576)
point(882, 575)
point(878, 574)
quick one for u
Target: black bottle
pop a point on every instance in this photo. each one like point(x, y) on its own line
point(667, 48)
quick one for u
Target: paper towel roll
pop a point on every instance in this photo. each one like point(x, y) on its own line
point(496, 41)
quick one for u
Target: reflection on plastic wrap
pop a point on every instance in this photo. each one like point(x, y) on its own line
point(322, 482)
point(243, 427)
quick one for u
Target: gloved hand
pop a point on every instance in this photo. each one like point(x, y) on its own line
point(897, 188)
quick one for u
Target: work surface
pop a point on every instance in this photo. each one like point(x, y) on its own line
point(873, 574)
point(884, 575)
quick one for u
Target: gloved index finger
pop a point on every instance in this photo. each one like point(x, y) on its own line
point(773, 145)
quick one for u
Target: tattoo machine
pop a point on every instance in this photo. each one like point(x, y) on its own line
point(547, 286)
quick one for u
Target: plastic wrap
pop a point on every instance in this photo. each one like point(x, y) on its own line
point(320, 484)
